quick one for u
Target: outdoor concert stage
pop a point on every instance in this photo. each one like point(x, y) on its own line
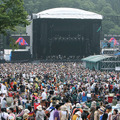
point(65, 32)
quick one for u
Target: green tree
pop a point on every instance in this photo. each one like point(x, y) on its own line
point(115, 30)
point(107, 25)
point(13, 45)
point(12, 13)
point(103, 7)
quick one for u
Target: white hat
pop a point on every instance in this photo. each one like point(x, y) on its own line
point(78, 113)
point(25, 116)
point(20, 106)
point(102, 109)
point(93, 104)
point(39, 107)
point(78, 105)
point(26, 111)
point(64, 108)
point(86, 109)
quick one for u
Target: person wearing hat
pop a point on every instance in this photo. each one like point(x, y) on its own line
point(77, 116)
point(63, 113)
point(77, 108)
point(102, 114)
point(93, 104)
point(40, 114)
point(21, 111)
point(85, 113)
point(25, 116)
point(26, 111)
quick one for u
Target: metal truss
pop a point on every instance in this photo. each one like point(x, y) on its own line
point(110, 63)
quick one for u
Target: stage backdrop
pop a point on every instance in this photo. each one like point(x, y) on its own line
point(67, 37)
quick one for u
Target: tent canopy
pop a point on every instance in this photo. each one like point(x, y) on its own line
point(68, 13)
point(96, 58)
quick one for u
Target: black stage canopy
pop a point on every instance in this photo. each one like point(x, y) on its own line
point(66, 36)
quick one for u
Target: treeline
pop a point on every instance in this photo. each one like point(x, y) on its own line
point(109, 8)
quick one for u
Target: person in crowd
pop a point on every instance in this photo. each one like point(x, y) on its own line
point(69, 107)
point(21, 112)
point(101, 112)
point(77, 116)
point(115, 115)
point(4, 114)
point(4, 104)
point(96, 113)
point(85, 113)
point(25, 116)
point(48, 84)
point(11, 113)
point(40, 114)
point(109, 111)
point(91, 115)
point(56, 112)
point(64, 113)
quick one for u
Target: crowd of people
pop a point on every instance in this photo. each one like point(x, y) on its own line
point(58, 91)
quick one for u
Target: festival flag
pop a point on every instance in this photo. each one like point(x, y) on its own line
point(21, 41)
point(99, 29)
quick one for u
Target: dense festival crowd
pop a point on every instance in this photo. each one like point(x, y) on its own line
point(58, 91)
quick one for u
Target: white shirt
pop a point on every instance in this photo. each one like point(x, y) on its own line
point(110, 113)
point(52, 115)
point(1, 98)
point(4, 115)
point(3, 88)
point(44, 95)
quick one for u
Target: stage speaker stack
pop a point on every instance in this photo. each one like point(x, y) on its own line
point(20, 56)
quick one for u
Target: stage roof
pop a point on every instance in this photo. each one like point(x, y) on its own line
point(96, 58)
point(68, 13)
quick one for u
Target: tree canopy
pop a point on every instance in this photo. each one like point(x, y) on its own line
point(12, 14)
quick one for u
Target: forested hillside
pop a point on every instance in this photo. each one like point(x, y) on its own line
point(105, 7)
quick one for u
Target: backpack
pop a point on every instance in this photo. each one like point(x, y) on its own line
point(76, 110)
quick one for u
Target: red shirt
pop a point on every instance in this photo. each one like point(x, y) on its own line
point(11, 84)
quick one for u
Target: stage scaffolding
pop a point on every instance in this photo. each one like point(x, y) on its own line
point(110, 63)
